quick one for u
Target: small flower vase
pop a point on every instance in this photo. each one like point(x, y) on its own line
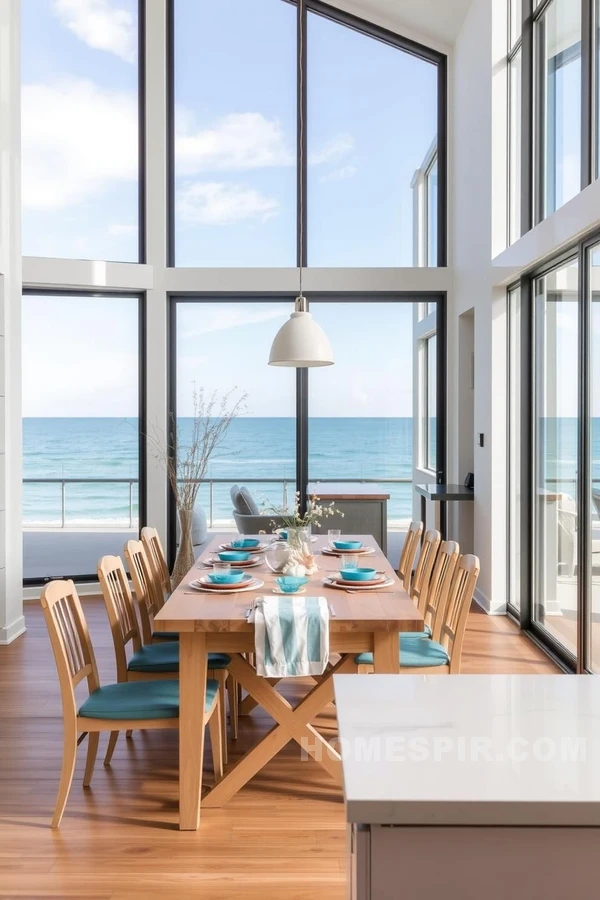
point(299, 538)
point(185, 552)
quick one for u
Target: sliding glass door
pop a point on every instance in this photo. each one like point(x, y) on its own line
point(591, 631)
point(554, 456)
point(556, 445)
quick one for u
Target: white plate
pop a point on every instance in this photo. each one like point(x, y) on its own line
point(205, 589)
point(366, 551)
point(357, 586)
point(259, 549)
point(343, 582)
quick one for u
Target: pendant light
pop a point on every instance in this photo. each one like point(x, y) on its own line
point(301, 342)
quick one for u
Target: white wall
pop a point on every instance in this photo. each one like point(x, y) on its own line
point(471, 224)
point(11, 593)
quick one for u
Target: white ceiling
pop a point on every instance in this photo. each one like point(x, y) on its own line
point(438, 19)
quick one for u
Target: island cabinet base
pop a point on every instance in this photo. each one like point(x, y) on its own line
point(472, 863)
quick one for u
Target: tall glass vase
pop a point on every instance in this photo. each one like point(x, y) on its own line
point(185, 552)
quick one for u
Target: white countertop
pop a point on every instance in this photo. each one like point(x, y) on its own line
point(470, 749)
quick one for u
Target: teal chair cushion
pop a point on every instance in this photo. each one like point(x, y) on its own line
point(139, 700)
point(218, 660)
point(164, 657)
point(426, 633)
point(415, 651)
point(165, 635)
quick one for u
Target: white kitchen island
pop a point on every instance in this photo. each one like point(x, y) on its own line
point(471, 787)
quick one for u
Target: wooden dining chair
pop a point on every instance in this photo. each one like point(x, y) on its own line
point(438, 591)
point(146, 590)
point(454, 623)
point(425, 564)
point(156, 555)
point(409, 551)
point(147, 660)
point(113, 707)
point(437, 595)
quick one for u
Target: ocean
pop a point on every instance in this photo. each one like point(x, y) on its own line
point(256, 448)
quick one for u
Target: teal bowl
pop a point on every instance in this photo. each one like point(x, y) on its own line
point(233, 556)
point(358, 574)
point(347, 545)
point(233, 577)
point(289, 584)
point(245, 544)
point(283, 535)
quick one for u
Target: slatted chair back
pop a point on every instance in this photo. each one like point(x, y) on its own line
point(146, 586)
point(156, 555)
point(420, 583)
point(409, 551)
point(120, 609)
point(457, 609)
point(70, 640)
point(438, 591)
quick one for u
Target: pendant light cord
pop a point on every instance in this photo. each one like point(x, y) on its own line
point(301, 126)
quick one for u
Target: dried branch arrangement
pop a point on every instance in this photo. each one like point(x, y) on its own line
point(186, 455)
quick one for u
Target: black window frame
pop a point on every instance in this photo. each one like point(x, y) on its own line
point(140, 296)
point(302, 377)
point(581, 250)
point(348, 20)
point(533, 188)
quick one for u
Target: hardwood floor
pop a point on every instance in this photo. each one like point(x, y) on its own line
point(282, 836)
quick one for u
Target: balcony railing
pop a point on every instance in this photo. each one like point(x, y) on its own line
point(210, 482)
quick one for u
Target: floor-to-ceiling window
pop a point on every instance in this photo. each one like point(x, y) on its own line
point(553, 451)
point(352, 422)
point(234, 107)
point(168, 133)
point(80, 130)
point(591, 632)
point(367, 136)
point(556, 452)
point(81, 430)
point(559, 95)
point(517, 492)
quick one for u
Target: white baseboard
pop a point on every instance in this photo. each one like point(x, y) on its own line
point(492, 609)
point(9, 633)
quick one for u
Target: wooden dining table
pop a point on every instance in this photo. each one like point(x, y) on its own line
point(361, 621)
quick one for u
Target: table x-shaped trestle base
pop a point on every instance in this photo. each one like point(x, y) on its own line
point(292, 723)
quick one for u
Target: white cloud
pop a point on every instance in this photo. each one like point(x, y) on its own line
point(239, 141)
point(340, 174)
point(225, 317)
point(332, 151)
point(242, 141)
point(219, 203)
point(77, 140)
point(100, 25)
point(80, 140)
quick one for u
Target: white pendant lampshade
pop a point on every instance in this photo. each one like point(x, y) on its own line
point(301, 342)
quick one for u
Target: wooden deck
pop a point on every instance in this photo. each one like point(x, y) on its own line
point(282, 836)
